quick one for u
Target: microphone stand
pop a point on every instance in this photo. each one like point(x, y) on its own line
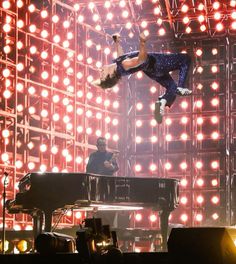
point(4, 212)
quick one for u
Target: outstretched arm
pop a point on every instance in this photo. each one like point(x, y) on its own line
point(119, 50)
point(136, 61)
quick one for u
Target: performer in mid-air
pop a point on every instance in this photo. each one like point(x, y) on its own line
point(156, 66)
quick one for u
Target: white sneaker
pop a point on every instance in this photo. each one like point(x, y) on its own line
point(159, 110)
point(183, 91)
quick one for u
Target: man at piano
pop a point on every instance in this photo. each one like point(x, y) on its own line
point(102, 161)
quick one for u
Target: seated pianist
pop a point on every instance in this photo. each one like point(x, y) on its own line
point(103, 162)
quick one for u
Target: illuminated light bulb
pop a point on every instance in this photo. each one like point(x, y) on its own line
point(76, 7)
point(95, 17)
point(44, 13)
point(200, 199)
point(78, 160)
point(219, 27)
point(214, 119)
point(31, 165)
point(31, 110)
point(20, 3)
point(5, 157)
point(144, 24)
point(184, 104)
point(152, 167)
point(233, 25)
point(161, 32)
point(199, 103)
point(55, 79)
point(56, 38)
point(184, 8)
point(198, 165)
point(65, 152)
point(125, 14)
point(5, 133)
point(44, 33)
point(184, 120)
point(200, 69)
point(215, 135)
point(66, 24)
point(7, 83)
point(107, 51)
point(215, 164)
point(199, 120)
point(122, 3)
point(203, 28)
point(184, 136)
point(43, 168)
point(89, 113)
point(200, 182)
point(128, 25)
point(153, 122)
point(44, 55)
point(168, 166)
point(168, 137)
point(19, 45)
point(215, 86)
point(55, 98)
point(7, 49)
point(98, 133)
point(186, 20)
point(107, 136)
point(215, 199)
point(6, 28)
point(188, 30)
point(215, 216)
point(89, 95)
point(138, 139)
point(107, 103)
point(69, 108)
point(139, 75)
point(32, 28)
point(115, 122)
point(20, 67)
point(44, 75)
point(98, 64)
point(68, 158)
point(6, 73)
point(19, 87)
point(214, 182)
point(66, 119)
point(98, 27)
point(20, 23)
point(107, 119)
point(66, 81)
point(89, 131)
point(138, 217)
point(183, 165)
point(109, 16)
point(138, 167)
point(201, 18)
point(30, 145)
point(89, 43)
point(79, 129)
point(200, 137)
point(78, 215)
point(7, 94)
point(201, 6)
point(156, 11)
point(199, 52)
point(17, 227)
point(214, 69)
point(107, 4)
point(131, 35)
point(70, 36)
point(153, 218)
point(115, 137)
point(54, 150)
point(20, 108)
point(215, 102)
point(90, 78)
point(199, 217)
point(99, 115)
point(33, 50)
point(66, 44)
point(19, 164)
point(44, 113)
point(217, 16)
point(79, 111)
point(183, 200)
point(139, 106)
point(216, 5)
point(55, 19)
point(184, 218)
point(80, 19)
point(43, 148)
point(139, 123)
point(153, 139)
point(56, 58)
point(183, 182)
point(6, 4)
point(31, 8)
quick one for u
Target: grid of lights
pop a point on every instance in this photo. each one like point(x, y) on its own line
point(51, 115)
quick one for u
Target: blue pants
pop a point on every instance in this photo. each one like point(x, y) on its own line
point(159, 67)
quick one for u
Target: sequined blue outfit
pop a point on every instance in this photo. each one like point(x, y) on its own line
point(157, 67)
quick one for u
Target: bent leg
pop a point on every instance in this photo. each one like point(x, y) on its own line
point(184, 69)
point(170, 85)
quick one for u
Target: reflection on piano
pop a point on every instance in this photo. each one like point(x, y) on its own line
point(40, 194)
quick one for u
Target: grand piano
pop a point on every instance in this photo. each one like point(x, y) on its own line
point(41, 194)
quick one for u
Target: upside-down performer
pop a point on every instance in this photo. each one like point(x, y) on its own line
point(156, 66)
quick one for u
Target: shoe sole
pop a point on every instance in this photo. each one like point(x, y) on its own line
point(157, 115)
point(178, 93)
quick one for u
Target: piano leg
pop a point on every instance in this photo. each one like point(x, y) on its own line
point(164, 216)
point(37, 222)
point(48, 220)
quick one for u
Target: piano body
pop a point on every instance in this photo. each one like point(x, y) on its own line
point(40, 194)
